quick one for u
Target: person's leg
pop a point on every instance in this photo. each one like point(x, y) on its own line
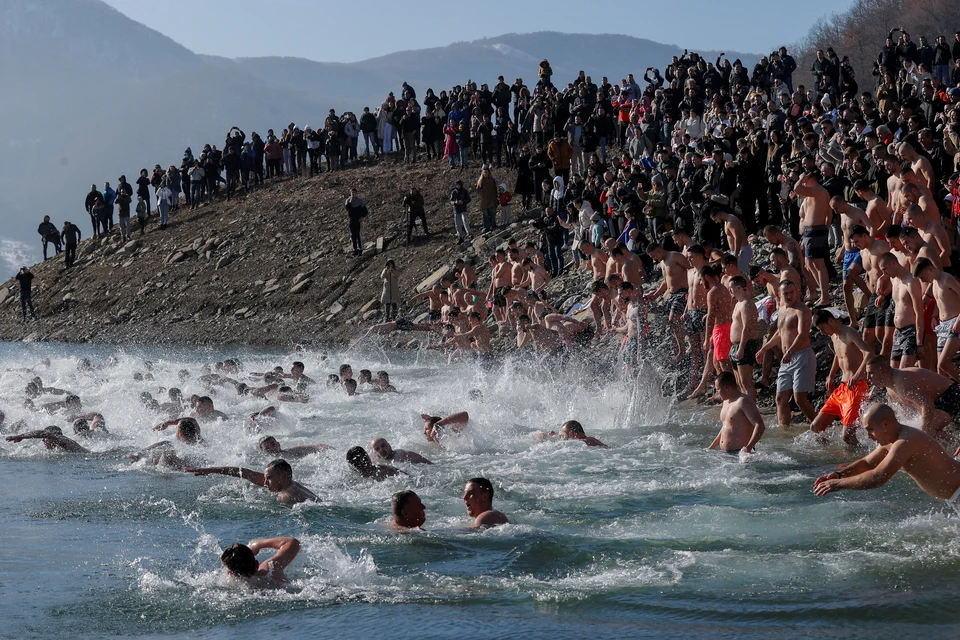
point(458, 225)
point(945, 365)
point(803, 401)
point(23, 305)
point(43, 241)
point(784, 416)
point(745, 371)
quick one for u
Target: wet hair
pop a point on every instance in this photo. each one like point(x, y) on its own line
point(350, 384)
point(240, 560)
point(779, 252)
point(728, 259)
point(174, 393)
point(298, 364)
point(822, 316)
point(365, 375)
point(400, 500)
point(333, 379)
point(653, 246)
point(281, 466)
point(726, 379)
point(357, 457)
point(859, 230)
point(484, 484)
point(894, 231)
point(572, 426)
point(189, 428)
point(285, 389)
point(697, 249)
point(344, 367)
point(81, 426)
point(205, 400)
point(880, 361)
point(711, 270)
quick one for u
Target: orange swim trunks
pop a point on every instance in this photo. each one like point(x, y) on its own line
point(845, 401)
point(720, 337)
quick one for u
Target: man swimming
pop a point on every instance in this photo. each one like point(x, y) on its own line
point(241, 561)
point(52, 438)
point(742, 425)
point(359, 460)
point(270, 446)
point(382, 449)
point(408, 511)
point(162, 453)
point(276, 478)
point(434, 426)
point(935, 396)
point(573, 430)
point(900, 447)
point(478, 498)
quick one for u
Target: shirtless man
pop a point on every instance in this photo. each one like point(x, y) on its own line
point(573, 332)
point(466, 273)
point(716, 342)
point(382, 450)
point(798, 366)
point(696, 313)
point(931, 231)
point(900, 447)
point(736, 238)
point(743, 341)
point(935, 396)
point(946, 293)
point(573, 430)
point(876, 210)
point(814, 215)
point(780, 262)
point(849, 254)
point(916, 247)
point(596, 258)
point(926, 200)
point(778, 238)
point(543, 339)
point(359, 460)
point(434, 427)
point(162, 453)
point(52, 438)
point(270, 446)
point(674, 266)
point(629, 266)
point(741, 423)
point(907, 300)
point(630, 349)
point(240, 561)
point(850, 355)
point(877, 319)
point(70, 404)
point(437, 298)
point(601, 306)
point(478, 498)
point(408, 511)
point(537, 277)
point(920, 165)
point(205, 412)
point(894, 184)
point(276, 478)
point(296, 374)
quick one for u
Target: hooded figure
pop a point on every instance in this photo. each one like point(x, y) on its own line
point(558, 194)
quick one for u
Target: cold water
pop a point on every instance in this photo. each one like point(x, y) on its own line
point(653, 537)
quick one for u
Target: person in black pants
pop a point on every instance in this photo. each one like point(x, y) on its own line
point(25, 278)
point(49, 235)
point(413, 201)
point(356, 211)
point(71, 236)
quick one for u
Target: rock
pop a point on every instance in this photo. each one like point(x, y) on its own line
point(179, 256)
point(335, 308)
point(423, 317)
point(433, 279)
point(69, 298)
point(568, 303)
point(271, 289)
point(224, 261)
point(301, 286)
point(258, 283)
point(303, 275)
point(241, 311)
point(270, 282)
point(250, 314)
point(373, 304)
point(380, 244)
point(130, 247)
point(4, 293)
point(370, 314)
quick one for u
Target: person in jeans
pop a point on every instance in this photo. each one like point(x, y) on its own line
point(460, 198)
point(487, 188)
point(196, 184)
point(356, 210)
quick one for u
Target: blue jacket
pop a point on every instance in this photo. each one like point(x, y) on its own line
point(109, 195)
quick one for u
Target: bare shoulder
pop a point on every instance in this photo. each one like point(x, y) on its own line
point(490, 518)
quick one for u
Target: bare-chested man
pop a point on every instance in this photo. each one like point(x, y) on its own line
point(935, 396)
point(435, 427)
point(271, 446)
point(52, 438)
point(920, 165)
point(596, 258)
point(798, 366)
point(850, 355)
point(478, 499)
point(900, 447)
point(601, 306)
point(814, 215)
point(631, 348)
point(775, 236)
point(741, 423)
point(537, 277)
point(716, 342)
point(674, 266)
point(382, 450)
point(573, 430)
point(629, 266)
point(276, 478)
point(848, 256)
point(780, 262)
point(744, 342)
point(736, 237)
point(894, 184)
point(931, 231)
point(945, 290)
point(907, 300)
point(696, 313)
point(916, 247)
point(926, 200)
point(877, 318)
point(876, 210)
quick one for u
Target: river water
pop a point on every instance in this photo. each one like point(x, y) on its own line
point(653, 537)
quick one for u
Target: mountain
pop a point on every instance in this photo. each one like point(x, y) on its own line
point(91, 94)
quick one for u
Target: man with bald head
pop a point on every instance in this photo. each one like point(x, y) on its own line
point(383, 451)
point(900, 447)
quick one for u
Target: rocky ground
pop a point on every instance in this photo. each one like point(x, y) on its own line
point(272, 268)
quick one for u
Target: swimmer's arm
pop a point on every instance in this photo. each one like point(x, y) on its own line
point(716, 441)
point(419, 296)
point(883, 467)
point(169, 423)
point(287, 550)
point(656, 293)
point(235, 472)
point(305, 450)
point(752, 413)
point(458, 419)
point(916, 294)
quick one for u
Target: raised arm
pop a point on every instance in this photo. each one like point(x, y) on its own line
point(235, 472)
point(287, 550)
point(51, 438)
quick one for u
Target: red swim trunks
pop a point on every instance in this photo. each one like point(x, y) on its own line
point(845, 401)
point(720, 336)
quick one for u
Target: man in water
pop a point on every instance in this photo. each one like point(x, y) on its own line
point(434, 426)
point(900, 447)
point(162, 453)
point(276, 478)
point(241, 561)
point(359, 460)
point(742, 425)
point(382, 450)
point(850, 358)
point(936, 396)
point(52, 438)
point(408, 511)
point(270, 446)
point(205, 411)
point(573, 430)
point(478, 498)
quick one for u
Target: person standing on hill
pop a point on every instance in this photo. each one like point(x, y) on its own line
point(460, 198)
point(356, 212)
point(487, 188)
point(123, 213)
point(25, 278)
point(109, 197)
point(71, 237)
point(143, 188)
point(49, 234)
point(413, 202)
point(368, 126)
point(93, 201)
point(390, 296)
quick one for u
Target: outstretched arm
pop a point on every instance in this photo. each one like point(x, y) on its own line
point(287, 549)
point(236, 472)
point(52, 439)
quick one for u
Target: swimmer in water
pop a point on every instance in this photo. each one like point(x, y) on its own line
point(276, 478)
point(573, 430)
point(52, 438)
point(408, 511)
point(435, 426)
point(350, 386)
point(359, 460)
point(366, 377)
point(270, 446)
point(205, 412)
point(382, 450)
point(95, 421)
point(900, 447)
point(296, 374)
point(162, 453)
point(478, 498)
point(382, 385)
point(262, 418)
point(71, 404)
point(240, 561)
point(742, 425)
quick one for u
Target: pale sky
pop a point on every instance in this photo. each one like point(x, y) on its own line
point(369, 28)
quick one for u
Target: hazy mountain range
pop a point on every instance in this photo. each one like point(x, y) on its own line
point(89, 94)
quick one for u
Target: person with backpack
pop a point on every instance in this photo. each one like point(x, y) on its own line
point(356, 212)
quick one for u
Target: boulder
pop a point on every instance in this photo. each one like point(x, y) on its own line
point(370, 314)
point(335, 308)
point(224, 261)
point(373, 304)
point(303, 275)
point(432, 279)
point(301, 286)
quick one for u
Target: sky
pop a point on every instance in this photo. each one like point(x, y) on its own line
point(301, 28)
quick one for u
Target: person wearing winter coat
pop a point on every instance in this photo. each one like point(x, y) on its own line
point(487, 188)
point(390, 296)
point(451, 150)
